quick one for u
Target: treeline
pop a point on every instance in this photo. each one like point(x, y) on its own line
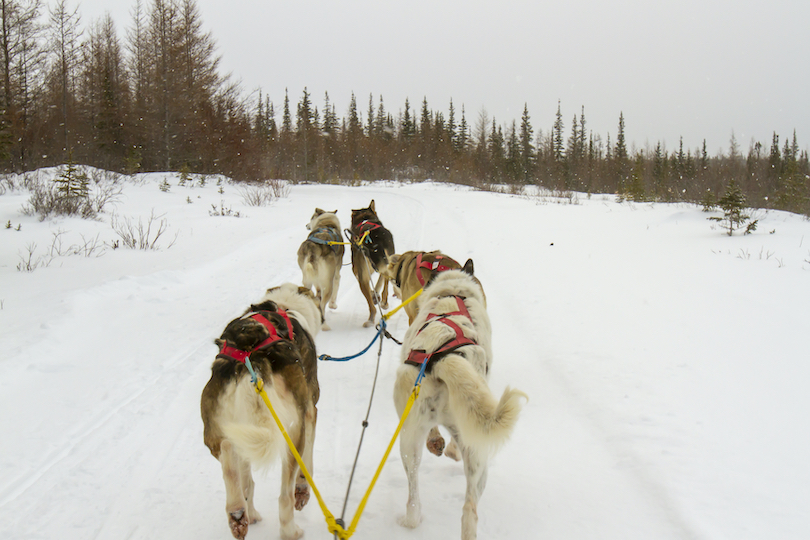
point(156, 101)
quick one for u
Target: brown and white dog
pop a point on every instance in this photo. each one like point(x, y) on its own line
point(452, 334)
point(277, 335)
point(373, 255)
point(321, 262)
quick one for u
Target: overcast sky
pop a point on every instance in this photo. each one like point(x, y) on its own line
point(697, 69)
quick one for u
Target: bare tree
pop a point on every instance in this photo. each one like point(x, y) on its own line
point(22, 64)
point(64, 48)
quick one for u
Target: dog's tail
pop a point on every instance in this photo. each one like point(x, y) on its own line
point(261, 446)
point(484, 422)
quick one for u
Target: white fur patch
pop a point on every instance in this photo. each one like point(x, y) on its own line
point(246, 421)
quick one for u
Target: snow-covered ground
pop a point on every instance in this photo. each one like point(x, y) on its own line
point(666, 363)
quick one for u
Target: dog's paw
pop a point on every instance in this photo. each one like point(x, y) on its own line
point(452, 451)
point(255, 517)
point(410, 521)
point(325, 327)
point(384, 305)
point(332, 305)
point(435, 445)
point(368, 324)
point(301, 496)
point(292, 532)
point(238, 521)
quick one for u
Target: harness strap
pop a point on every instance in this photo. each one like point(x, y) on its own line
point(462, 310)
point(417, 357)
point(230, 352)
point(334, 235)
point(436, 266)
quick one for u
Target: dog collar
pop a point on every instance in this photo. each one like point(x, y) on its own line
point(232, 353)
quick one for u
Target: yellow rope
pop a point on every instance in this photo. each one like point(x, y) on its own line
point(330, 519)
point(403, 304)
point(333, 526)
point(362, 504)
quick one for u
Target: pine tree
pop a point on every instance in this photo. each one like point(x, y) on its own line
point(733, 205)
point(407, 126)
point(451, 125)
point(526, 146)
point(380, 121)
point(286, 119)
point(329, 120)
point(370, 124)
point(557, 135)
point(463, 132)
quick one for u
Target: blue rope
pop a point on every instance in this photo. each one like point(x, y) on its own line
point(326, 357)
point(422, 372)
point(253, 377)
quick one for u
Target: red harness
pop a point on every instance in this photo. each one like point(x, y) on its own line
point(435, 266)
point(418, 357)
point(232, 353)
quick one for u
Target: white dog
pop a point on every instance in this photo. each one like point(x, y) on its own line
point(452, 334)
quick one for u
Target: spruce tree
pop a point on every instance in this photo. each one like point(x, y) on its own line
point(557, 135)
point(733, 205)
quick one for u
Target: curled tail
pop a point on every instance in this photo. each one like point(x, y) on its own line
point(259, 445)
point(483, 422)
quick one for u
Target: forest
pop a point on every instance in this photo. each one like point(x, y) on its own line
point(154, 99)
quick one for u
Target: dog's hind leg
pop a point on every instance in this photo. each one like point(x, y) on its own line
point(235, 508)
point(322, 298)
point(249, 486)
point(335, 287)
point(301, 487)
point(410, 448)
point(382, 283)
point(475, 469)
point(286, 499)
point(364, 280)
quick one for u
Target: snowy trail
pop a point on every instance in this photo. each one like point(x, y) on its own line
point(650, 415)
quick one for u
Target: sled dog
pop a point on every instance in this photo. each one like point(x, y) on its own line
point(373, 255)
point(412, 271)
point(452, 334)
point(277, 336)
point(321, 261)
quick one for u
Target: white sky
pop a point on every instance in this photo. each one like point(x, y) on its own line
point(691, 68)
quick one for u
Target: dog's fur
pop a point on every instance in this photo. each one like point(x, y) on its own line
point(454, 392)
point(373, 257)
point(239, 430)
point(321, 263)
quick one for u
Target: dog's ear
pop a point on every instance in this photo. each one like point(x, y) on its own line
point(333, 212)
point(468, 267)
point(371, 206)
point(318, 211)
point(219, 342)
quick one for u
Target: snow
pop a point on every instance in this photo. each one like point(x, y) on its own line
point(666, 365)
